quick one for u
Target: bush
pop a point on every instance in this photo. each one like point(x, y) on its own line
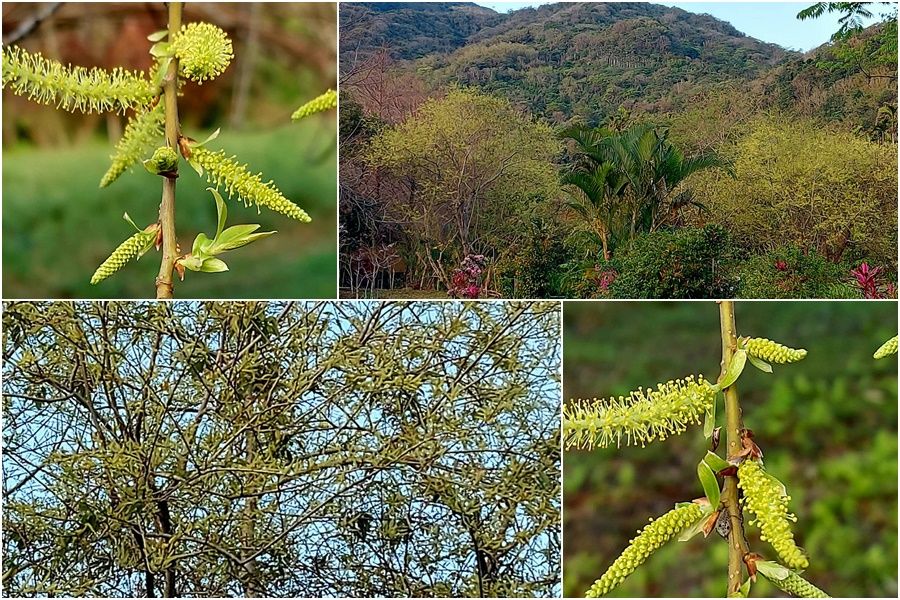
point(534, 270)
point(686, 263)
point(788, 272)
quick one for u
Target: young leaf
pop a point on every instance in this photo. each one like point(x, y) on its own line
point(158, 36)
point(715, 462)
point(709, 482)
point(760, 364)
point(772, 570)
point(709, 423)
point(221, 211)
point(697, 526)
point(213, 265)
point(201, 245)
point(237, 236)
point(735, 368)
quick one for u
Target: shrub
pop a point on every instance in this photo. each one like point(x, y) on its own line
point(789, 272)
point(687, 263)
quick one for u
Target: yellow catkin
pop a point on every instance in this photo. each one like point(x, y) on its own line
point(326, 101)
point(648, 540)
point(204, 51)
point(887, 348)
point(74, 88)
point(764, 498)
point(641, 417)
point(766, 349)
point(238, 181)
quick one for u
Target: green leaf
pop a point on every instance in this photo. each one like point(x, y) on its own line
point(193, 263)
point(241, 236)
point(760, 364)
point(158, 36)
point(211, 137)
point(221, 211)
point(200, 249)
point(196, 166)
point(709, 423)
point(715, 462)
point(213, 265)
point(735, 368)
point(743, 591)
point(772, 570)
point(709, 482)
point(161, 49)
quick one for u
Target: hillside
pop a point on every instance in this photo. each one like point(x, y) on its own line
point(564, 60)
point(410, 30)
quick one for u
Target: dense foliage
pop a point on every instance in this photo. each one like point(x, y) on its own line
point(264, 449)
point(668, 121)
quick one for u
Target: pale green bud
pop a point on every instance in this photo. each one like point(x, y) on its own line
point(764, 497)
point(641, 417)
point(649, 539)
point(798, 587)
point(133, 247)
point(164, 160)
point(773, 351)
point(203, 50)
point(887, 348)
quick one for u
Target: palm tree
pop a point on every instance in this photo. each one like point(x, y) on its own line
point(634, 174)
point(602, 186)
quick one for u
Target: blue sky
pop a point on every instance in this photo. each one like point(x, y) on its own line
point(774, 22)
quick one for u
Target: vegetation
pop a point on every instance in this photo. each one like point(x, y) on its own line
point(825, 423)
point(281, 450)
point(692, 161)
point(198, 52)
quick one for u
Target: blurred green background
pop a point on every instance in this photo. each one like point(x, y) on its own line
point(58, 226)
point(827, 426)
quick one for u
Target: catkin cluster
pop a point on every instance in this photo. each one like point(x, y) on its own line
point(74, 88)
point(203, 50)
point(887, 348)
point(326, 101)
point(143, 131)
point(798, 587)
point(773, 351)
point(641, 417)
point(764, 497)
point(164, 159)
point(238, 181)
point(648, 540)
point(130, 248)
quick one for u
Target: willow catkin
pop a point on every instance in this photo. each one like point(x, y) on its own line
point(326, 101)
point(144, 130)
point(641, 417)
point(648, 540)
point(130, 248)
point(887, 348)
point(74, 88)
point(764, 498)
point(766, 349)
point(798, 587)
point(203, 50)
point(238, 181)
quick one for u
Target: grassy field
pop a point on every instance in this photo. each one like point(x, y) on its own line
point(58, 226)
point(827, 426)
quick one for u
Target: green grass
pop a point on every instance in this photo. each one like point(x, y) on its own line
point(58, 226)
point(827, 426)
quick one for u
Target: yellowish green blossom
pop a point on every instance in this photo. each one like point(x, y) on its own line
point(765, 498)
point(768, 350)
point(204, 51)
point(133, 247)
point(649, 539)
point(641, 417)
point(326, 101)
point(887, 348)
point(74, 88)
point(143, 131)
